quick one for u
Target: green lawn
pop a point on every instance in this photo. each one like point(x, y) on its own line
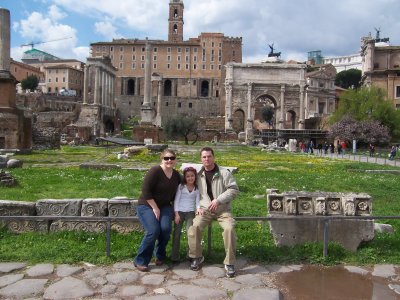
point(56, 175)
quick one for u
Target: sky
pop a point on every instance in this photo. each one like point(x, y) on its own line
point(66, 28)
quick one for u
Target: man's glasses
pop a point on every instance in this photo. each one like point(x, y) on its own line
point(166, 158)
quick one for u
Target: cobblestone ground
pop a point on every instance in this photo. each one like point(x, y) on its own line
point(123, 281)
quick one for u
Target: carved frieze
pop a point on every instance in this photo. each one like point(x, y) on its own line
point(62, 207)
point(122, 207)
point(94, 207)
point(17, 208)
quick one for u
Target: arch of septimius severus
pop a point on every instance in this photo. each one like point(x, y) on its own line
point(294, 95)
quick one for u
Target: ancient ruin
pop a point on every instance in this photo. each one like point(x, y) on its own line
point(347, 232)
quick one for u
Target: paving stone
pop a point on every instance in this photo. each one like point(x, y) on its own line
point(230, 285)
point(158, 297)
point(153, 279)
point(40, 270)
point(67, 270)
point(11, 266)
point(158, 269)
point(254, 269)
point(123, 277)
point(68, 288)
point(160, 291)
point(108, 289)
point(258, 294)
point(395, 288)
point(99, 281)
point(184, 272)
point(194, 292)
point(213, 272)
point(132, 290)
point(356, 270)
point(205, 282)
point(9, 279)
point(249, 280)
point(95, 273)
point(24, 288)
point(278, 269)
point(385, 271)
point(124, 265)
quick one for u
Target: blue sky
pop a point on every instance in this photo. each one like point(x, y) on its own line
point(294, 26)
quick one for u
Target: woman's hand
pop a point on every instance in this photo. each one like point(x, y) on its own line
point(200, 211)
point(177, 218)
point(156, 212)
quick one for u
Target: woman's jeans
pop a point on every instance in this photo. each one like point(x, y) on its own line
point(155, 231)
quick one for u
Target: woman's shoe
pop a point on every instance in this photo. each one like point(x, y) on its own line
point(141, 268)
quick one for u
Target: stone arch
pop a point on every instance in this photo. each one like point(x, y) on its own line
point(131, 87)
point(109, 126)
point(204, 88)
point(290, 120)
point(167, 88)
point(238, 120)
point(259, 104)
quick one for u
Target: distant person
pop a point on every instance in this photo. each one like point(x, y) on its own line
point(326, 147)
point(332, 147)
point(155, 210)
point(217, 189)
point(344, 145)
point(187, 202)
point(392, 153)
point(371, 150)
point(339, 148)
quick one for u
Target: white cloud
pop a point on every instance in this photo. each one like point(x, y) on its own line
point(107, 30)
point(81, 53)
point(55, 13)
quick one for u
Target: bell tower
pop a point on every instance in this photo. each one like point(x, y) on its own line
point(175, 21)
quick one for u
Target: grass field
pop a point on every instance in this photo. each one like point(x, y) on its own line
point(56, 175)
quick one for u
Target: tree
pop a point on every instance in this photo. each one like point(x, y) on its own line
point(367, 131)
point(181, 126)
point(368, 103)
point(30, 83)
point(267, 113)
point(348, 79)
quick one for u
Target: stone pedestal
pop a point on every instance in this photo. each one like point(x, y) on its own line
point(141, 132)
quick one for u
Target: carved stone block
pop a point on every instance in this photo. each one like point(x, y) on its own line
point(85, 226)
point(94, 207)
point(348, 206)
point(62, 207)
point(363, 205)
point(122, 207)
point(17, 208)
point(320, 206)
point(290, 205)
point(275, 203)
point(333, 206)
point(305, 205)
point(21, 226)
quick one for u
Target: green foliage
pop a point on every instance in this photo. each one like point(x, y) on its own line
point(181, 126)
point(368, 103)
point(267, 113)
point(30, 83)
point(348, 79)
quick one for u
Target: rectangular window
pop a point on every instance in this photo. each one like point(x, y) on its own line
point(194, 58)
point(133, 49)
point(121, 49)
point(204, 66)
point(155, 49)
point(133, 57)
point(219, 67)
point(321, 108)
point(142, 65)
point(179, 104)
point(63, 79)
point(179, 49)
point(142, 57)
point(194, 67)
point(211, 67)
point(121, 65)
point(187, 58)
point(155, 58)
point(169, 49)
point(398, 91)
point(187, 50)
point(168, 66)
point(179, 58)
point(190, 105)
point(104, 48)
point(194, 49)
point(133, 66)
point(121, 57)
point(143, 49)
point(49, 79)
point(187, 66)
point(169, 58)
point(111, 48)
point(179, 66)
point(56, 79)
point(212, 44)
point(154, 66)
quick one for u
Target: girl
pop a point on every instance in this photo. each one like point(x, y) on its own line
point(186, 200)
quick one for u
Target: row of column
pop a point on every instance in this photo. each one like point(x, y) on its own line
point(103, 86)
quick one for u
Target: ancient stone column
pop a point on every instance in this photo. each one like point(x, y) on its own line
point(147, 76)
point(282, 115)
point(301, 119)
point(85, 84)
point(137, 86)
point(249, 123)
point(159, 100)
point(97, 85)
point(228, 107)
point(103, 87)
point(4, 40)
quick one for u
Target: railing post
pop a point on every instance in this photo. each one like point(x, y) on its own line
point(209, 241)
point(108, 238)
point(326, 237)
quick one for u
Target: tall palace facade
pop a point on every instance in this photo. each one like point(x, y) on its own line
point(187, 76)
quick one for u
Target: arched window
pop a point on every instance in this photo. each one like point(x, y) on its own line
point(167, 88)
point(131, 87)
point(204, 88)
point(175, 28)
point(175, 13)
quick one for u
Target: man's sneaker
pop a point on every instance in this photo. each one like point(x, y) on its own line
point(230, 271)
point(196, 263)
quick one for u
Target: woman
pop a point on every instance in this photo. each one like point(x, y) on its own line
point(155, 210)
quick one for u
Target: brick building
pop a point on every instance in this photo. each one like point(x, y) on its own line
point(189, 74)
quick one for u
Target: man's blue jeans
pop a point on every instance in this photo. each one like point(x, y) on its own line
point(155, 231)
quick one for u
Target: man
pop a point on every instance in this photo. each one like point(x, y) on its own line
point(217, 190)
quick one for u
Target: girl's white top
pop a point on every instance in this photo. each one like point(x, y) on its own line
point(186, 201)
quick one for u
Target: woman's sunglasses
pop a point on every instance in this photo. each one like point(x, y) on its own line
point(166, 158)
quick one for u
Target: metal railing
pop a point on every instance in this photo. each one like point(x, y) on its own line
point(109, 220)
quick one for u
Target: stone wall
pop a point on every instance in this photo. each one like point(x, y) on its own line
point(91, 207)
point(348, 233)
